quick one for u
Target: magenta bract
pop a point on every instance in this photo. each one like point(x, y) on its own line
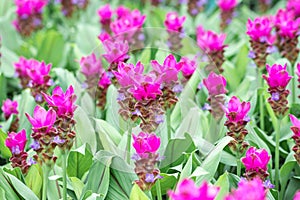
point(260, 29)
point(227, 5)
point(237, 110)
point(145, 143)
point(256, 159)
point(173, 22)
point(278, 76)
point(9, 108)
point(16, 141)
point(215, 84)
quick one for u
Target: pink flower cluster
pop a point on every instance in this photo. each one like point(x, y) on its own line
point(286, 24)
point(260, 30)
point(256, 159)
point(278, 76)
point(188, 66)
point(173, 22)
point(116, 51)
point(29, 7)
point(296, 130)
point(187, 190)
point(237, 111)
point(16, 141)
point(208, 41)
point(215, 84)
point(105, 13)
point(248, 190)
point(227, 5)
point(145, 143)
point(294, 5)
point(9, 108)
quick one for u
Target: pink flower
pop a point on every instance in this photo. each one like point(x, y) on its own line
point(16, 141)
point(256, 159)
point(173, 22)
point(286, 24)
point(227, 5)
point(215, 84)
point(22, 65)
point(146, 91)
point(187, 190)
point(248, 190)
point(294, 5)
point(261, 30)
point(208, 41)
point(168, 72)
point(91, 66)
point(9, 108)
point(296, 125)
point(128, 73)
point(145, 143)
point(29, 7)
point(62, 103)
point(298, 70)
point(38, 72)
point(104, 80)
point(188, 66)
point(237, 111)
point(116, 51)
point(42, 119)
point(105, 14)
point(278, 76)
point(104, 36)
point(297, 195)
point(122, 11)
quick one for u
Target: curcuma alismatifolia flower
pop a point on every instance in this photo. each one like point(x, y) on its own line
point(146, 158)
point(105, 13)
point(16, 142)
point(278, 80)
point(287, 28)
point(297, 195)
point(237, 119)
point(68, 7)
point(261, 39)
point(34, 75)
point(294, 5)
point(296, 130)
point(64, 105)
point(298, 74)
point(256, 163)
point(248, 190)
point(10, 108)
point(212, 46)
point(187, 190)
point(174, 26)
point(43, 135)
point(195, 6)
point(227, 10)
point(29, 16)
point(216, 86)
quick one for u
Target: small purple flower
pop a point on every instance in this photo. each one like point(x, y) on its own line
point(251, 55)
point(268, 185)
point(206, 107)
point(38, 98)
point(178, 88)
point(15, 150)
point(275, 96)
point(200, 85)
point(141, 37)
point(57, 140)
point(150, 178)
point(246, 118)
point(159, 119)
point(121, 97)
point(135, 156)
point(31, 161)
point(271, 49)
point(200, 3)
point(137, 112)
point(35, 145)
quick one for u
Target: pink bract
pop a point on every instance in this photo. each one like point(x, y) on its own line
point(215, 84)
point(173, 22)
point(127, 74)
point(209, 41)
point(29, 7)
point(116, 51)
point(237, 110)
point(145, 143)
point(9, 108)
point(260, 30)
point(90, 65)
point(296, 125)
point(227, 5)
point(278, 76)
point(256, 159)
point(286, 23)
point(16, 141)
point(105, 13)
point(188, 66)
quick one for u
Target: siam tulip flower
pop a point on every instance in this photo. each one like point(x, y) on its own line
point(187, 190)
point(42, 120)
point(287, 34)
point(29, 16)
point(145, 143)
point(16, 142)
point(216, 86)
point(261, 38)
point(103, 84)
point(248, 190)
point(122, 11)
point(116, 51)
point(21, 70)
point(9, 108)
point(297, 195)
point(39, 73)
point(90, 65)
point(146, 159)
point(104, 81)
point(227, 10)
point(296, 130)
point(174, 26)
point(43, 135)
point(188, 66)
point(294, 5)
point(128, 73)
point(256, 163)
point(146, 91)
point(278, 80)
point(195, 6)
point(237, 119)
point(104, 36)
point(298, 74)
point(68, 7)
point(105, 13)
point(212, 44)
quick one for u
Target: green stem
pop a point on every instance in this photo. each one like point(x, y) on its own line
point(129, 133)
point(64, 168)
point(261, 102)
point(158, 190)
point(46, 171)
point(169, 128)
point(277, 137)
point(238, 164)
point(293, 85)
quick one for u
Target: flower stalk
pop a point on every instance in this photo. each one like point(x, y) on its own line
point(277, 138)
point(64, 168)
point(46, 171)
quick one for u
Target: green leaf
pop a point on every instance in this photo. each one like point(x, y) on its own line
point(77, 185)
point(224, 185)
point(4, 151)
point(79, 162)
point(34, 179)
point(166, 183)
point(3, 88)
point(286, 169)
point(211, 162)
point(137, 193)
